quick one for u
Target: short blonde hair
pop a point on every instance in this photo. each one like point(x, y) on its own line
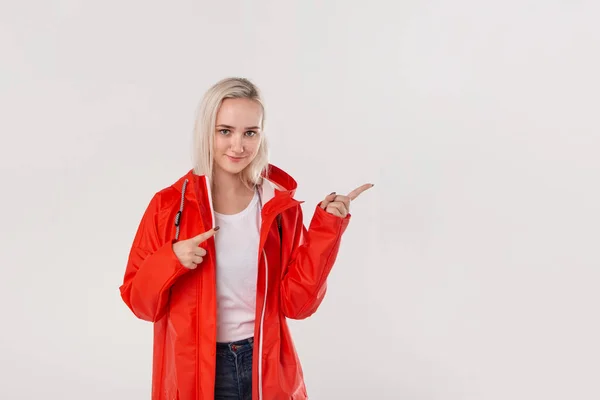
point(204, 129)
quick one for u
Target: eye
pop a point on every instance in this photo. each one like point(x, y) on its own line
point(251, 133)
point(224, 131)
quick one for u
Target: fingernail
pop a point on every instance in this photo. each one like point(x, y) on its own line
point(217, 228)
point(331, 193)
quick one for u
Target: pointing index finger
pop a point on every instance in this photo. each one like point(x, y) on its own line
point(206, 235)
point(356, 192)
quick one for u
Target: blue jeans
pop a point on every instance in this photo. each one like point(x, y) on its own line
point(233, 379)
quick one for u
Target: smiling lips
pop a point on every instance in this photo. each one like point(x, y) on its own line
point(235, 159)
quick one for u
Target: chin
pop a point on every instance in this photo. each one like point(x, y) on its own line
point(233, 170)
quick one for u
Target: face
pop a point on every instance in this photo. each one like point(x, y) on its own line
point(237, 134)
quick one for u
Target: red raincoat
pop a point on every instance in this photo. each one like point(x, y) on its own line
point(181, 302)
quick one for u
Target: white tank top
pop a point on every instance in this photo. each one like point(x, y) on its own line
point(236, 245)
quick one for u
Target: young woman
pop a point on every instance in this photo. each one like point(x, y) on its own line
point(221, 258)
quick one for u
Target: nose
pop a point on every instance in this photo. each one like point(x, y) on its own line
point(236, 143)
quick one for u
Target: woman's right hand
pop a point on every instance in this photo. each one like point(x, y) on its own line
point(189, 253)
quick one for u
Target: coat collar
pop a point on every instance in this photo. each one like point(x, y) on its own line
point(277, 189)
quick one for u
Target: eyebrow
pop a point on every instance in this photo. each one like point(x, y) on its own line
point(231, 127)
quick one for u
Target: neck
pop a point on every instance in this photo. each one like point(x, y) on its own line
point(225, 183)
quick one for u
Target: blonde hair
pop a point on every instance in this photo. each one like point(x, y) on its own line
point(206, 117)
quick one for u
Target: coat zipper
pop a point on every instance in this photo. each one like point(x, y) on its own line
point(264, 306)
point(262, 319)
point(207, 185)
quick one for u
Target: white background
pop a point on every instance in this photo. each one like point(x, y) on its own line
point(470, 270)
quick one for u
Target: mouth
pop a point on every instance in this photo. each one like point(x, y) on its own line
point(235, 159)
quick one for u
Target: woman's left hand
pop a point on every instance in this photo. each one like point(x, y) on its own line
point(339, 205)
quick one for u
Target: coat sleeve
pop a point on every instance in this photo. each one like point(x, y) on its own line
point(304, 282)
point(152, 268)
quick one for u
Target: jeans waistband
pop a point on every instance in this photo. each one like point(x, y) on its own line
point(235, 345)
